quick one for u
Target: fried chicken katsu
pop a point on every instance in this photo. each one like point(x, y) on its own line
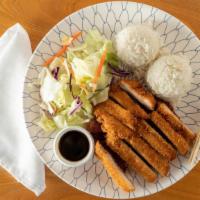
point(158, 162)
point(149, 134)
point(108, 122)
point(135, 89)
point(112, 126)
point(176, 123)
point(125, 101)
point(133, 160)
point(112, 168)
point(155, 140)
point(143, 131)
point(176, 139)
point(117, 111)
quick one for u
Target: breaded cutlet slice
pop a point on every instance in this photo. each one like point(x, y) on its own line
point(132, 159)
point(158, 162)
point(110, 123)
point(117, 111)
point(121, 163)
point(176, 123)
point(155, 140)
point(152, 137)
point(135, 89)
point(125, 101)
point(112, 126)
point(113, 169)
point(176, 139)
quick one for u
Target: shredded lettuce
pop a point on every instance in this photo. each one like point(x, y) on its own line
point(49, 88)
point(67, 88)
point(47, 124)
point(100, 96)
point(60, 121)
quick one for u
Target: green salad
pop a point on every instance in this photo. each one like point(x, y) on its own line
point(74, 80)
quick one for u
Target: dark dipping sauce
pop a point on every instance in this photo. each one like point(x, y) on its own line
point(74, 145)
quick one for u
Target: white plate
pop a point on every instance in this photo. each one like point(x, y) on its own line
point(109, 18)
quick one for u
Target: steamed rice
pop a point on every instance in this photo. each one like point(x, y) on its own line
point(169, 77)
point(137, 45)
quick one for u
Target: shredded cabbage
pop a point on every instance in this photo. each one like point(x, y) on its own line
point(67, 89)
point(46, 123)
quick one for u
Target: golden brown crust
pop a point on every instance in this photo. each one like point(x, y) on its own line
point(120, 113)
point(109, 123)
point(125, 101)
point(112, 126)
point(156, 141)
point(158, 162)
point(112, 168)
point(133, 160)
point(177, 140)
point(135, 89)
point(176, 123)
point(137, 142)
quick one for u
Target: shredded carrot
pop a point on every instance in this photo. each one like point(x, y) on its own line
point(62, 50)
point(74, 37)
point(100, 67)
point(59, 53)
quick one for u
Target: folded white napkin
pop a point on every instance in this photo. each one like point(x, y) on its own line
point(17, 153)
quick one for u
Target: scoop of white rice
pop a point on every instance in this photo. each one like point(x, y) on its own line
point(169, 77)
point(137, 45)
